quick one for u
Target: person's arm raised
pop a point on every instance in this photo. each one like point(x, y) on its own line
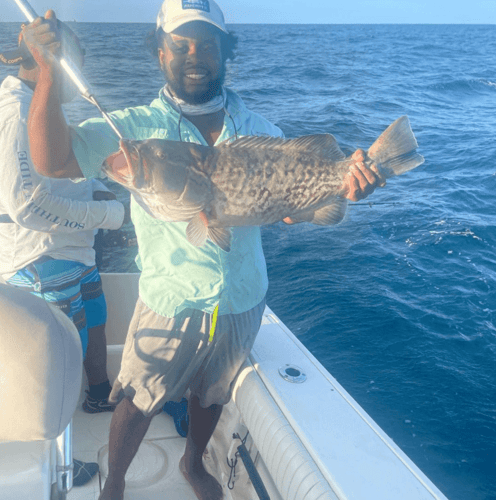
point(49, 135)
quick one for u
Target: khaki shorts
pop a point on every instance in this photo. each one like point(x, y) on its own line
point(164, 357)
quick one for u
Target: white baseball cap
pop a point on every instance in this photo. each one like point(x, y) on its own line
point(175, 13)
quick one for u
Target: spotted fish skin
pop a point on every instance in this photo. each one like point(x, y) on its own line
point(251, 182)
point(259, 181)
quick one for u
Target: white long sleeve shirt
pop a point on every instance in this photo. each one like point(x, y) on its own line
point(52, 217)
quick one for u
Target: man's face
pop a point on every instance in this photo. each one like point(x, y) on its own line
point(191, 60)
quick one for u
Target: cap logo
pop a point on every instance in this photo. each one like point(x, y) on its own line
point(203, 5)
point(10, 61)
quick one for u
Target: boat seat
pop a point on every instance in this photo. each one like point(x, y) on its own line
point(40, 381)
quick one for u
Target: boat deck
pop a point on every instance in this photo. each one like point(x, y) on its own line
point(153, 473)
point(306, 435)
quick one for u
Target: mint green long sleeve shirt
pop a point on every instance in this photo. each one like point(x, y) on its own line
point(176, 275)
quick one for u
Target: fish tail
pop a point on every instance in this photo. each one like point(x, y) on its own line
point(394, 152)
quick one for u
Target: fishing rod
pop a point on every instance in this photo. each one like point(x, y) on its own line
point(372, 203)
point(73, 72)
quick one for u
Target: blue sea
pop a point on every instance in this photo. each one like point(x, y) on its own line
point(399, 301)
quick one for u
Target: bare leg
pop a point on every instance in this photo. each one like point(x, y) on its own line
point(127, 430)
point(202, 423)
point(95, 363)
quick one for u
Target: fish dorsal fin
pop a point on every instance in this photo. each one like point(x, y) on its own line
point(323, 145)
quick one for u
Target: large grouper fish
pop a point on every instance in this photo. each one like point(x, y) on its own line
point(252, 181)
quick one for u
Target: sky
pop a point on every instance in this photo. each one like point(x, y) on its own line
point(277, 11)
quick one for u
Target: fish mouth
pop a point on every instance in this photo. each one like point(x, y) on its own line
point(125, 166)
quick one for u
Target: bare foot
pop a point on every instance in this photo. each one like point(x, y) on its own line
point(205, 486)
point(111, 491)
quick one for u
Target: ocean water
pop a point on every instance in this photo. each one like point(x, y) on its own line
point(397, 302)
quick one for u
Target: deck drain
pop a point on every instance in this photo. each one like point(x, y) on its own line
point(292, 373)
point(148, 467)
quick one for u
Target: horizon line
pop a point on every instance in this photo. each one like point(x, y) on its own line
point(284, 24)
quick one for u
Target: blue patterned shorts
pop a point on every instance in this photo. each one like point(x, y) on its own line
point(74, 288)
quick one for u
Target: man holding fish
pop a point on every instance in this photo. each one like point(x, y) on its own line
point(202, 301)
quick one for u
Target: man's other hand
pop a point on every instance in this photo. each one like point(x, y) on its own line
point(362, 180)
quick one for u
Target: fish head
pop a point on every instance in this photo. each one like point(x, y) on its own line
point(153, 165)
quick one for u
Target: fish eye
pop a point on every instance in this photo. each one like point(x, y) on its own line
point(160, 155)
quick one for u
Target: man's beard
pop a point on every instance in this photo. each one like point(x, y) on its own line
point(200, 97)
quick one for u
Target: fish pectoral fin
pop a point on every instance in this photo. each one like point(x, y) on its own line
point(331, 214)
point(197, 230)
point(221, 236)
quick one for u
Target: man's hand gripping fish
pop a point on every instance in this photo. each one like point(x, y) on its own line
point(252, 181)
